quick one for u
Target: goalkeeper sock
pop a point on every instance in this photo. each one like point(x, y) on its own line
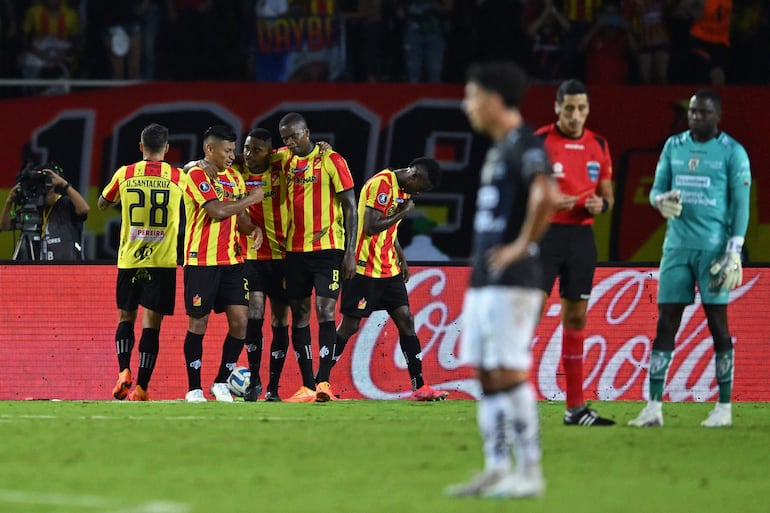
point(300, 339)
point(572, 360)
point(148, 354)
point(659, 362)
point(410, 348)
point(193, 352)
point(254, 347)
point(724, 373)
point(278, 348)
point(231, 348)
point(124, 344)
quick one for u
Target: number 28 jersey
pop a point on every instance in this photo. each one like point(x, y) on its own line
point(150, 193)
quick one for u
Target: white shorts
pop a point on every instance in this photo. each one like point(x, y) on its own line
point(497, 327)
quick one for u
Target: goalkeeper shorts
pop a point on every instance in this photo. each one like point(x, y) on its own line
point(681, 269)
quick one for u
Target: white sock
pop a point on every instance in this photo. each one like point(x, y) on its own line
point(525, 426)
point(494, 419)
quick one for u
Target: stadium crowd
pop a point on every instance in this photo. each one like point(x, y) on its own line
point(599, 41)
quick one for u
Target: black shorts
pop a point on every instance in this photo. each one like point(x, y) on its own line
point(363, 295)
point(319, 270)
point(152, 287)
point(268, 277)
point(214, 287)
point(569, 252)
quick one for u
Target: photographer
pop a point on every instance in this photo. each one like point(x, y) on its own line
point(49, 212)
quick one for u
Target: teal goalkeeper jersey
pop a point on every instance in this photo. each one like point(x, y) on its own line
point(715, 180)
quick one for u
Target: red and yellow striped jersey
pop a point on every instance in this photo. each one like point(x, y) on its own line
point(376, 254)
point(210, 242)
point(271, 214)
point(150, 194)
point(316, 219)
point(581, 10)
point(39, 21)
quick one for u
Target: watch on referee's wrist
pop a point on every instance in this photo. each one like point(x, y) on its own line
point(62, 189)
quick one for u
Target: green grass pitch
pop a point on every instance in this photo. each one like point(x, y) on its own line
point(362, 457)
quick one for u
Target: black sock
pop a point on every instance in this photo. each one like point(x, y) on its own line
point(254, 347)
point(124, 344)
point(148, 354)
point(278, 348)
point(300, 339)
point(329, 358)
point(193, 352)
point(231, 348)
point(410, 347)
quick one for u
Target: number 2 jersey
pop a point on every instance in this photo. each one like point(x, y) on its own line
point(714, 178)
point(150, 193)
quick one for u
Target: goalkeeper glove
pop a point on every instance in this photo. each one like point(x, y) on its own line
point(727, 272)
point(669, 203)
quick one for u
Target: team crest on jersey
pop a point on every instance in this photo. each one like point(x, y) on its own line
point(558, 170)
point(196, 300)
point(692, 164)
point(382, 198)
point(593, 170)
point(204, 187)
point(362, 303)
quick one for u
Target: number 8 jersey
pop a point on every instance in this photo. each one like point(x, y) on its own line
point(150, 194)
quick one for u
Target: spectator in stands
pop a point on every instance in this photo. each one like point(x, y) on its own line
point(710, 41)
point(546, 31)
point(120, 24)
point(609, 47)
point(648, 22)
point(50, 36)
point(424, 37)
point(364, 29)
point(581, 15)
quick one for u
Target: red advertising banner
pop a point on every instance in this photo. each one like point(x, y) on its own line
point(374, 126)
point(58, 322)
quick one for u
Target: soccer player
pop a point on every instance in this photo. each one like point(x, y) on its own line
point(514, 202)
point(583, 170)
point(214, 276)
point(150, 195)
point(701, 187)
point(381, 268)
point(261, 167)
point(320, 245)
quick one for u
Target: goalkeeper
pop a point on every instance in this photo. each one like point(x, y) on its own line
point(701, 187)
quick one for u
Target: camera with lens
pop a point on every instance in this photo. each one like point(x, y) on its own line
point(33, 185)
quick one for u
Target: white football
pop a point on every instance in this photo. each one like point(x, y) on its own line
point(238, 381)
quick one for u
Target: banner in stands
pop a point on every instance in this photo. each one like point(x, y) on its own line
point(57, 329)
point(375, 126)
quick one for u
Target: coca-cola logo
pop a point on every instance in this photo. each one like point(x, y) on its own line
point(622, 317)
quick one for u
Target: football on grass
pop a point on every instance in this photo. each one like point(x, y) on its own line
point(238, 381)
